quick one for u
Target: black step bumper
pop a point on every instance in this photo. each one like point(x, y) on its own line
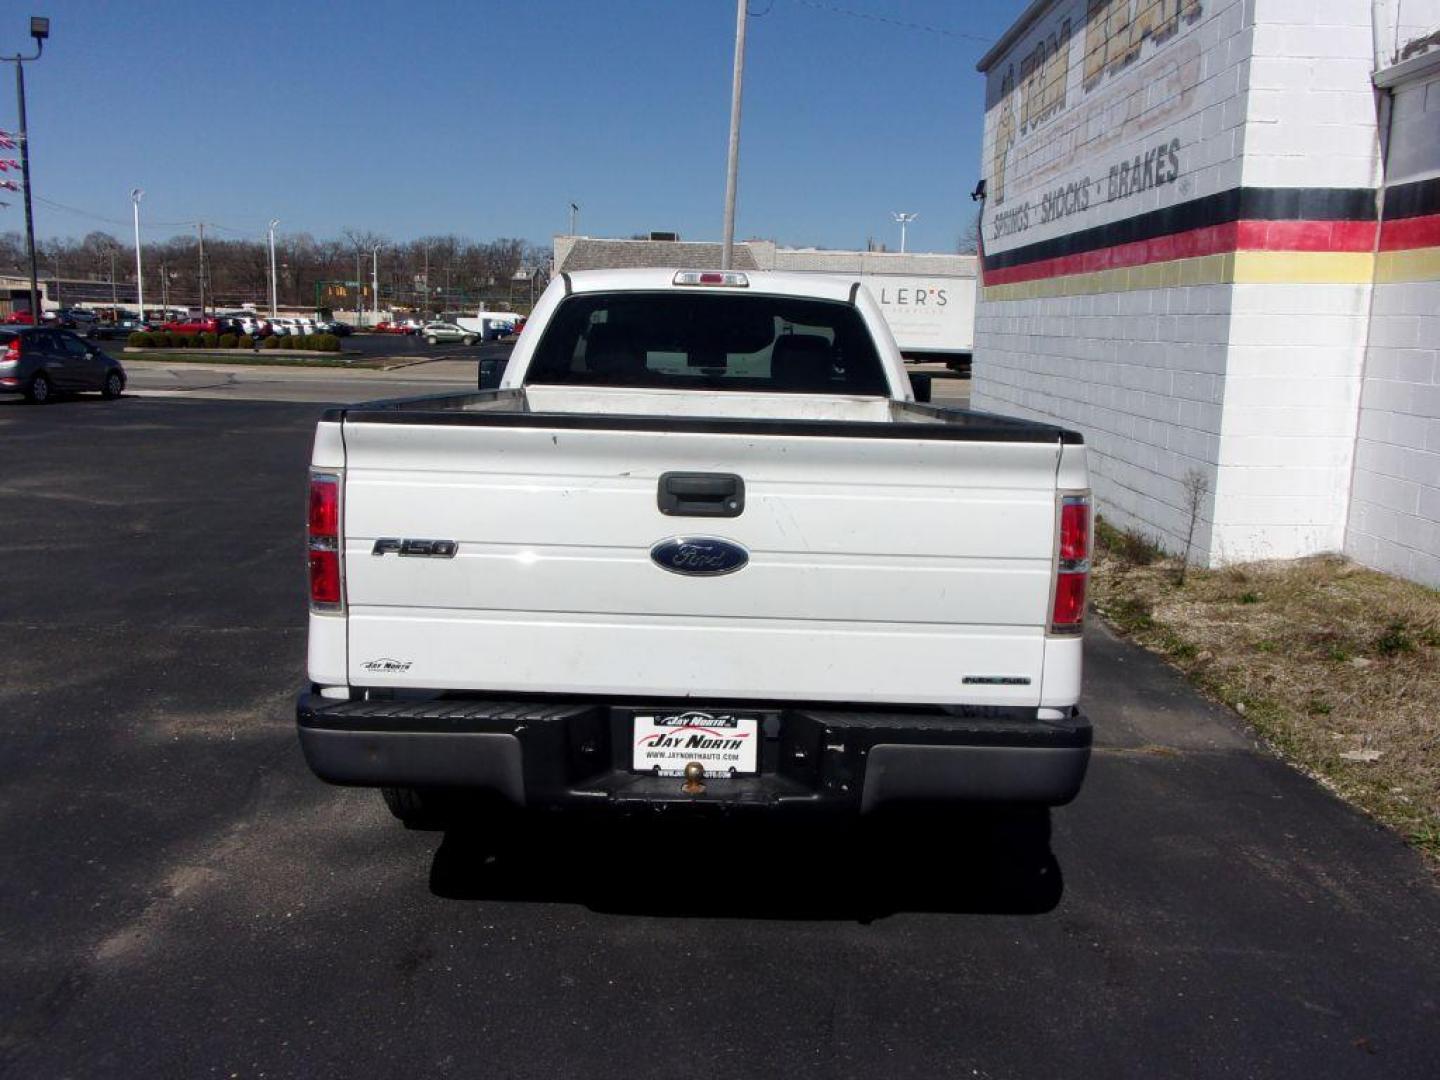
point(564, 753)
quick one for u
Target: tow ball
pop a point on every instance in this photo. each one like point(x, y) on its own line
point(694, 779)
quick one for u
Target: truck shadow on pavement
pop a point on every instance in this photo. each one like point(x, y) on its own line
point(988, 861)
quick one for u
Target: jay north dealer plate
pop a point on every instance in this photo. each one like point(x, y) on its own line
point(726, 743)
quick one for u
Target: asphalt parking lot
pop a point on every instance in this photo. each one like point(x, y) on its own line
point(183, 898)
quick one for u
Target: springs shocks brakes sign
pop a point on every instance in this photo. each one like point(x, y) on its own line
point(726, 744)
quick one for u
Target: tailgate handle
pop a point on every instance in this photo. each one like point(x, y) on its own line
point(695, 494)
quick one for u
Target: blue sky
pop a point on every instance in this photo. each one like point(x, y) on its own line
point(487, 118)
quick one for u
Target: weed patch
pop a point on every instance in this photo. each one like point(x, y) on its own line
point(1336, 667)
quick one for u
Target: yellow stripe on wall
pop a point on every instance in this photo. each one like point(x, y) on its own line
point(1304, 267)
point(1234, 268)
point(1416, 264)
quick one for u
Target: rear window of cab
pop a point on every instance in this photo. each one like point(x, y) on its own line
point(718, 341)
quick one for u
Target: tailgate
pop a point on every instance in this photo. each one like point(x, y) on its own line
point(880, 569)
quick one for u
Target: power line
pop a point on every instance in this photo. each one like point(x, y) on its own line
point(148, 225)
point(903, 24)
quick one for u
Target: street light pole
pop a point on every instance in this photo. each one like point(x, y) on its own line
point(574, 216)
point(135, 196)
point(274, 281)
point(201, 225)
point(375, 278)
point(114, 289)
point(732, 162)
point(39, 30)
point(904, 219)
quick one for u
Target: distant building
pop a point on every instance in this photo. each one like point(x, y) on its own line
point(15, 294)
point(1211, 242)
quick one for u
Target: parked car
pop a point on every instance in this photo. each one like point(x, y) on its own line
point(336, 327)
point(253, 324)
point(76, 318)
point(690, 433)
point(107, 331)
point(392, 328)
point(193, 325)
point(42, 363)
point(436, 332)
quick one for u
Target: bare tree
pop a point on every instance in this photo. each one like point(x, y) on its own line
point(1196, 487)
point(969, 240)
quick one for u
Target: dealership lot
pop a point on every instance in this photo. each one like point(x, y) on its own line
point(181, 890)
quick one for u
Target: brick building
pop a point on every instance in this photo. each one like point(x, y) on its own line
point(1212, 242)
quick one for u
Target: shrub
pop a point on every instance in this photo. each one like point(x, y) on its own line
point(1395, 640)
point(326, 343)
point(245, 341)
point(138, 340)
point(299, 341)
point(272, 342)
point(228, 341)
point(209, 341)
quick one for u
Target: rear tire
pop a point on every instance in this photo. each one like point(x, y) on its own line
point(416, 808)
point(41, 390)
point(468, 340)
point(114, 385)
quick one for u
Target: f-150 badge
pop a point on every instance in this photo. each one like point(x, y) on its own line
point(699, 556)
point(414, 549)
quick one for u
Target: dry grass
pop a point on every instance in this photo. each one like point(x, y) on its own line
point(1337, 667)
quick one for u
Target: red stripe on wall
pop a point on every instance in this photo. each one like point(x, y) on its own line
point(1400, 234)
point(1211, 240)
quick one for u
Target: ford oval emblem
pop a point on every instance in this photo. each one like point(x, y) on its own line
point(699, 556)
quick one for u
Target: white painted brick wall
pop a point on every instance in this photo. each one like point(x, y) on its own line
point(1140, 373)
point(1311, 120)
point(1395, 512)
point(1136, 381)
point(1395, 496)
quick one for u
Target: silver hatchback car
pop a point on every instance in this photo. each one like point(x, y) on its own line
point(42, 363)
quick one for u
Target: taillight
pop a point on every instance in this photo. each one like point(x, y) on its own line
point(12, 352)
point(1072, 564)
point(327, 591)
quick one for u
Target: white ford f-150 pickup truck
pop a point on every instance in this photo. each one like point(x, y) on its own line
point(701, 546)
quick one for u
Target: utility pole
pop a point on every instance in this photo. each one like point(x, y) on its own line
point(426, 306)
point(274, 281)
point(114, 289)
point(135, 196)
point(202, 268)
point(39, 30)
point(732, 163)
point(164, 291)
point(359, 290)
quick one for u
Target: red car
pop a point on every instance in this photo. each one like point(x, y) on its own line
point(192, 326)
point(392, 328)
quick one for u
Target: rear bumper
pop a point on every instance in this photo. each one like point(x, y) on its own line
point(568, 754)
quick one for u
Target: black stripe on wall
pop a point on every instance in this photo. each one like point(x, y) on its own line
point(1237, 204)
point(1413, 200)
